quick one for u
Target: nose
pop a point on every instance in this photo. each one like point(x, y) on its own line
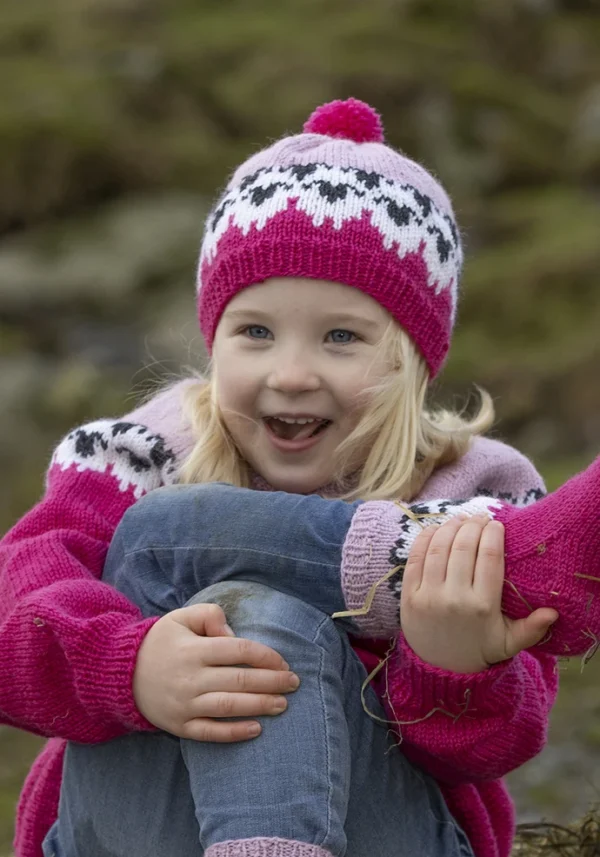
point(293, 373)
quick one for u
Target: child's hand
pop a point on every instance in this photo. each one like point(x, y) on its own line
point(185, 676)
point(451, 595)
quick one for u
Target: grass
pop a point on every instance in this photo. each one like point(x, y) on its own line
point(581, 839)
point(17, 751)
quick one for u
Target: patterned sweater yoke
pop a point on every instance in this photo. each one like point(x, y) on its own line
point(69, 641)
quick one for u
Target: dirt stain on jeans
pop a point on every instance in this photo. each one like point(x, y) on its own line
point(232, 602)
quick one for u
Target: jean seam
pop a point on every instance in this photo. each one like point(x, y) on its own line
point(317, 632)
point(172, 548)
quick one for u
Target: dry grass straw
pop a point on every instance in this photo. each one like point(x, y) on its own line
point(545, 839)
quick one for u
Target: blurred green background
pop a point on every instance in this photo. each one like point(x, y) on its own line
point(121, 119)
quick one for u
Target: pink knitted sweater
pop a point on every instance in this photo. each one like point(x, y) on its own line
point(68, 642)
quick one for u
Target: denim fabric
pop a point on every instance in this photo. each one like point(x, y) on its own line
point(323, 772)
point(176, 541)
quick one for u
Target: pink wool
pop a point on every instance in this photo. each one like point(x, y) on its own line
point(350, 120)
point(265, 847)
point(69, 642)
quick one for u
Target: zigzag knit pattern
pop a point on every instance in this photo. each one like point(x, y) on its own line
point(405, 219)
point(135, 456)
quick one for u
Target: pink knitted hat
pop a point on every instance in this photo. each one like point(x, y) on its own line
point(335, 203)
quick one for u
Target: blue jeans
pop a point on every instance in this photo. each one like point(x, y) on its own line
point(322, 772)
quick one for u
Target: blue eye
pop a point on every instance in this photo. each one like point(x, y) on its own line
point(342, 337)
point(257, 331)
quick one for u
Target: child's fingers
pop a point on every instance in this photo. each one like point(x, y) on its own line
point(463, 555)
point(240, 680)
point(205, 620)
point(488, 581)
point(238, 705)
point(230, 651)
point(438, 552)
point(524, 633)
point(413, 571)
point(216, 623)
point(219, 732)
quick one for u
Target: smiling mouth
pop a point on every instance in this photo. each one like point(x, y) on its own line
point(296, 430)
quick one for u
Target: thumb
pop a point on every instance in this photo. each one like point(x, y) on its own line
point(524, 633)
point(205, 620)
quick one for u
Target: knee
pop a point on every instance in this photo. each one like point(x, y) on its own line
point(142, 516)
point(174, 504)
point(244, 601)
point(254, 609)
point(159, 502)
point(153, 518)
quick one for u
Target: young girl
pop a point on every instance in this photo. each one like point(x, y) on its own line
point(328, 286)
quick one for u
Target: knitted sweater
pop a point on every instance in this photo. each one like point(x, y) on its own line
point(69, 642)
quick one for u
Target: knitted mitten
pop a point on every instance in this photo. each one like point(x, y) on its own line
point(552, 559)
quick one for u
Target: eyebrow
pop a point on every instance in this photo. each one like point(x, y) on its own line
point(243, 313)
point(351, 318)
point(330, 318)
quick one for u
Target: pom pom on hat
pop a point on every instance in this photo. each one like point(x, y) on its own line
point(349, 120)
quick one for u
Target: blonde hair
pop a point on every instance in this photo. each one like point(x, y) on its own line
point(407, 441)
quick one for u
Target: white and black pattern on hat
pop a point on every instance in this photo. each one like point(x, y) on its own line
point(402, 215)
point(137, 458)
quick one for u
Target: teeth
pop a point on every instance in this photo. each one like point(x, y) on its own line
point(300, 421)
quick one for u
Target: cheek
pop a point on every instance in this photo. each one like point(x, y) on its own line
point(236, 397)
point(353, 398)
point(235, 390)
point(355, 389)
point(233, 375)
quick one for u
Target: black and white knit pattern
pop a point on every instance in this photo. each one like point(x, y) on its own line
point(137, 457)
point(520, 500)
point(440, 511)
point(403, 216)
point(437, 512)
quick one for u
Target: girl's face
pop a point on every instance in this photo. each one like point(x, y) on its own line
point(292, 357)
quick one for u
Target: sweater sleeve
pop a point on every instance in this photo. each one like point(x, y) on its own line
point(382, 533)
point(458, 728)
point(68, 642)
point(469, 727)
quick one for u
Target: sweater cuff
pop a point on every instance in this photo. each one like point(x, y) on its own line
point(427, 687)
point(367, 556)
point(107, 689)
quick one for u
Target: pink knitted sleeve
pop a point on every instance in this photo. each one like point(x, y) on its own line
point(458, 728)
point(464, 728)
point(68, 642)
point(381, 534)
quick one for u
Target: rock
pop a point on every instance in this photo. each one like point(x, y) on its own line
point(104, 258)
